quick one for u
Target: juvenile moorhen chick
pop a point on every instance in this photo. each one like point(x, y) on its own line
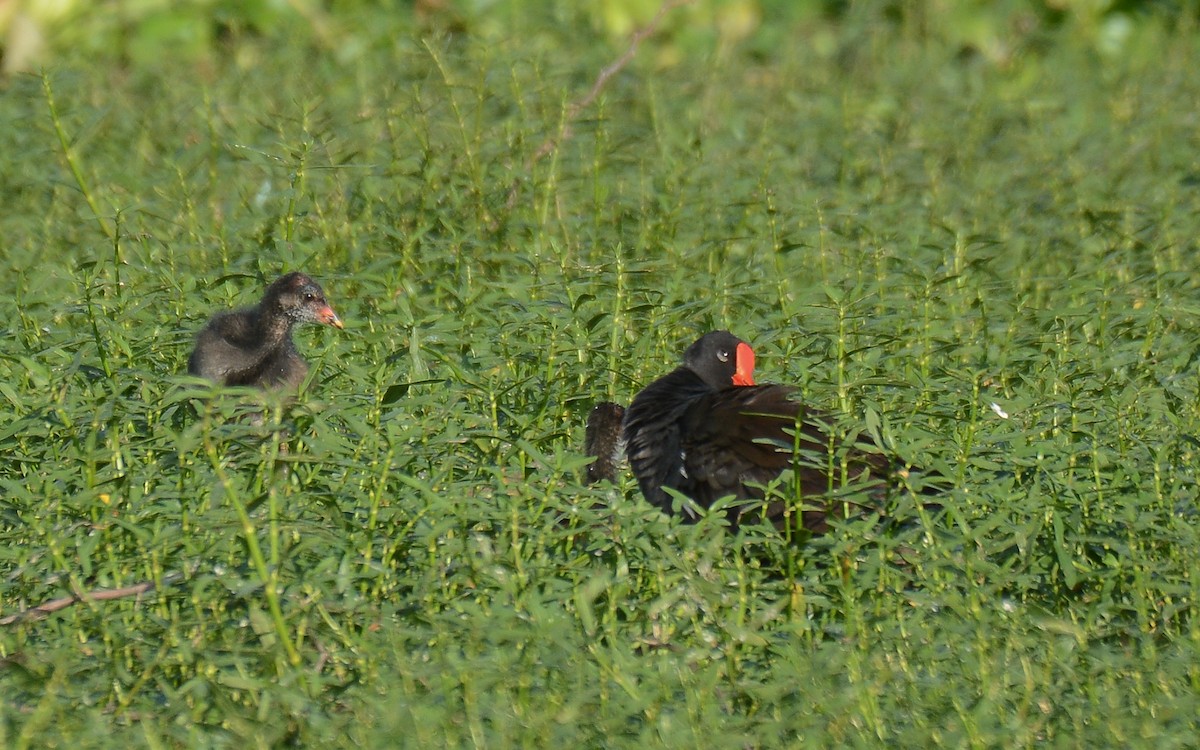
point(604, 441)
point(254, 346)
point(708, 432)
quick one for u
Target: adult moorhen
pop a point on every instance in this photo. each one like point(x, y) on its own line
point(254, 346)
point(708, 432)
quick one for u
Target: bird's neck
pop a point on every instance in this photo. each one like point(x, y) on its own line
point(271, 330)
point(675, 390)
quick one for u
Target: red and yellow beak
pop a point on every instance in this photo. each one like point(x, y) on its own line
point(745, 365)
point(327, 316)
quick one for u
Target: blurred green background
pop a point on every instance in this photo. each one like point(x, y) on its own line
point(38, 32)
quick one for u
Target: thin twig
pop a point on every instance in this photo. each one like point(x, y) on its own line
point(68, 154)
point(96, 595)
point(573, 112)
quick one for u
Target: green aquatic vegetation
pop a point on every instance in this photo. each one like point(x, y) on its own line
point(991, 265)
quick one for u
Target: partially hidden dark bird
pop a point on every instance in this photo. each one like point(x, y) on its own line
point(604, 441)
point(254, 346)
point(707, 431)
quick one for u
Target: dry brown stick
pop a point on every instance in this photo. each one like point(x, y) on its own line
point(564, 131)
point(97, 595)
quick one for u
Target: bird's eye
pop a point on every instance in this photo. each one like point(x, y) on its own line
point(309, 296)
point(723, 355)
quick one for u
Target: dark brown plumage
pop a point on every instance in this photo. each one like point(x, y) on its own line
point(254, 346)
point(604, 441)
point(708, 432)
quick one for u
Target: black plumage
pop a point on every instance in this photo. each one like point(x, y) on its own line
point(707, 432)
